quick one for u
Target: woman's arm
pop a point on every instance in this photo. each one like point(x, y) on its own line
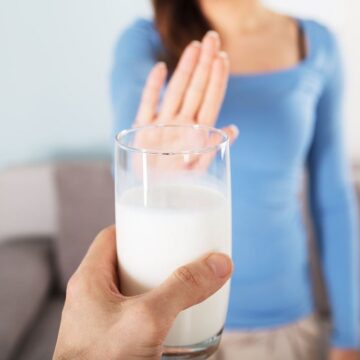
point(193, 95)
point(334, 208)
point(135, 55)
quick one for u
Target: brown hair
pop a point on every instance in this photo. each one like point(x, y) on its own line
point(178, 22)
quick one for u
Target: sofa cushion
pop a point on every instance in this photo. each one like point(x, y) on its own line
point(41, 340)
point(27, 202)
point(85, 193)
point(25, 282)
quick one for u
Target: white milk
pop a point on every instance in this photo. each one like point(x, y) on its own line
point(179, 224)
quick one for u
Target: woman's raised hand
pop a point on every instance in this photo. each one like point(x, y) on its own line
point(195, 92)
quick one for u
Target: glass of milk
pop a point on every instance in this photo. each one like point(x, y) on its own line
point(173, 205)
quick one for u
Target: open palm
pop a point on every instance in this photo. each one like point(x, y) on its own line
point(194, 95)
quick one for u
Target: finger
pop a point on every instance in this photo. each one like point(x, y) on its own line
point(199, 81)
point(97, 274)
point(179, 82)
point(215, 92)
point(232, 132)
point(102, 252)
point(205, 160)
point(151, 95)
point(190, 285)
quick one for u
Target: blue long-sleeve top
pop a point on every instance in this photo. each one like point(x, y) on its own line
point(290, 120)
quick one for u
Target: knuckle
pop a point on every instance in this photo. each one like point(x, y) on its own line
point(197, 88)
point(218, 84)
point(174, 93)
point(147, 96)
point(188, 277)
point(185, 117)
point(73, 285)
point(206, 62)
point(77, 285)
point(151, 87)
point(185, 71)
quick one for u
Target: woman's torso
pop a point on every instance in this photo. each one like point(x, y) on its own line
point(276, 115)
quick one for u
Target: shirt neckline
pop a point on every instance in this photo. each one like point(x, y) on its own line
point(285, 71)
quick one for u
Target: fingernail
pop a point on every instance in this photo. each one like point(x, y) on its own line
point(220, 265)
point(196, 44)
point(235, 130)
point(223, 55)
point(213, 34)
point(161, 65)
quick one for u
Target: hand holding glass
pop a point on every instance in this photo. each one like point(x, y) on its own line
point(173, 205)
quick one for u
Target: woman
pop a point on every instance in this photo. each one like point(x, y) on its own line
point(284, 93)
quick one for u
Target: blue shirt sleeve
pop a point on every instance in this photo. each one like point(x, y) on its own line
point(135, 54)
point(333, 205)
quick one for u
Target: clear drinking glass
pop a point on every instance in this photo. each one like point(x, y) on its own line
point(173, 205)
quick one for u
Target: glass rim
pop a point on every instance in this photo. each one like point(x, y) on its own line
point(201, 150)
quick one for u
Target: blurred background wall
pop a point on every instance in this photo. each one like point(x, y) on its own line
point(55, 61)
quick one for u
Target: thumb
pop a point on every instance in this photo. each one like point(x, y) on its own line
point(190, 285)
point(232, 132)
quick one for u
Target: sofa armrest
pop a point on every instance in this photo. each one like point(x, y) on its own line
point(25, 282)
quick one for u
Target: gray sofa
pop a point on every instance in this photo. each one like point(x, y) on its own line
point(49, 215)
